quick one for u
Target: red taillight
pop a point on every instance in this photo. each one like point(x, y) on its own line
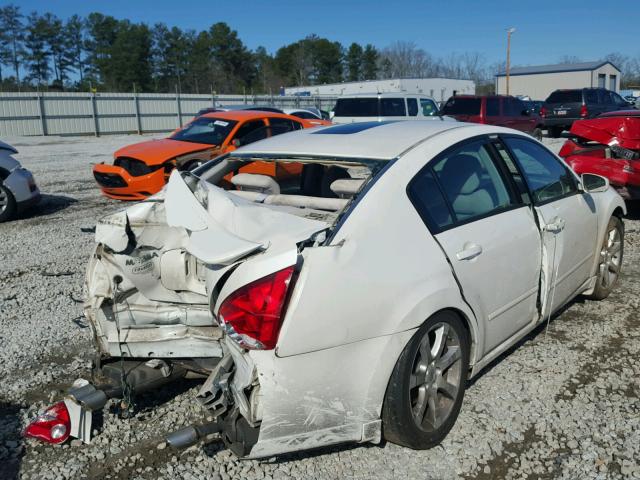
point(543, 112)
point(252, 315)
point(583, 111)
point(52, 426)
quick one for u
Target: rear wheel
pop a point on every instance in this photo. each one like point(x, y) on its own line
point(7, 204)
point(610, 259)
point(427, 385)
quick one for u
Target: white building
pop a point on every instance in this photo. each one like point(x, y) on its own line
point(538, 82)
point(440, 89)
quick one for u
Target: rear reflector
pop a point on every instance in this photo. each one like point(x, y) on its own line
point(252, 315)
point(52, 426)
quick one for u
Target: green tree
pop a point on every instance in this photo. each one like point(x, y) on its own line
point(37, 54)
point(11, 24)
point(354, 62)
point(130, 58)
point(101, 35)
point(74, 35)
point(233, 65)
point(369, 63)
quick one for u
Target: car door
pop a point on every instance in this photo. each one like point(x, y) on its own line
point(492, 111)
point(465, 197)
point(566, 217)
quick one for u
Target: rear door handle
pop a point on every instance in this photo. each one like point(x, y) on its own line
point(471, 250)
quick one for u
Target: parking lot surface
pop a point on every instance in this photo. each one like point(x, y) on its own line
point(562, 404)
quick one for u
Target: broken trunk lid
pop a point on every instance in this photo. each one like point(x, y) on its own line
point(223, 227)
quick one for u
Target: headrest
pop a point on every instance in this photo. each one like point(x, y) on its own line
point(346, 187)
point(256, 183)
point(461, 174)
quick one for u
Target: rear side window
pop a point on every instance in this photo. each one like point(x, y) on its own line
point(412, 107)
point(356, 107)
point(565, 96)
point(471, 182)
point(493, 107)
point(428, 107)
point(462, 106)
point(429, 201)
point(392, 107)
point(591, 97)
point(547, 178)
point(283, 125)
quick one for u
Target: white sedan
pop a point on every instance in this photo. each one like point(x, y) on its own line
point(353, 300)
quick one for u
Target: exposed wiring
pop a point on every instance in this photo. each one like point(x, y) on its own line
point(126, 405)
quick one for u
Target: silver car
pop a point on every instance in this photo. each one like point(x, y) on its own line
point(18, 189)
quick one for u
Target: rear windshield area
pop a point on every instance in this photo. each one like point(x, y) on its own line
point(318, 189)
point(565, 96)
point(461, 106)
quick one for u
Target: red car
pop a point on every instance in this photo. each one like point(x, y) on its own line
point(608, 145)
point(501, 110)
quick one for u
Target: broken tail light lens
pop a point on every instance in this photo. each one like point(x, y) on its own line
point(252, 315)
point(52, 426)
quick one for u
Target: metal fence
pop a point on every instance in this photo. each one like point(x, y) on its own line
point(60, 113)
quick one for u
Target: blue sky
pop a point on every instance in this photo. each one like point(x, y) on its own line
point(546, 30)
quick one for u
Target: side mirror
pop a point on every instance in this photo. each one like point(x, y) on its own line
point(592, 183)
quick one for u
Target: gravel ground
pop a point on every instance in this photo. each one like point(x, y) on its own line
point(562, 404)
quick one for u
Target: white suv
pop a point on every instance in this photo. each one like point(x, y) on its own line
point(384, 106)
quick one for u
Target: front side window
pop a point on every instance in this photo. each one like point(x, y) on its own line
point(412, 107)
point(429, 108)
point(283, 125)
point(547, 177)
point(210, 131)
point(392, 107)
point(251, 131)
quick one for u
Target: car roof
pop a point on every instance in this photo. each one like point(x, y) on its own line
point(368, 140)
point(240, 115)
point(384, 95)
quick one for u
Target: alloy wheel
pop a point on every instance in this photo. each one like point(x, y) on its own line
point(610, 258)
point(436, 377)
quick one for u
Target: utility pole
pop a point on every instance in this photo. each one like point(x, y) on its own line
point(509, 32)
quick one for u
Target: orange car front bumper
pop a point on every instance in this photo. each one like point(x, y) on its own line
point(119, 184)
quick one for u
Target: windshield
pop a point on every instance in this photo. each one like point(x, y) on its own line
point(211, 131)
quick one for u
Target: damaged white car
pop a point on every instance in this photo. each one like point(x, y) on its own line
point(351, 302)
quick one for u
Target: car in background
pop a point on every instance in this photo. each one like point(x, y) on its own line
point(499, 110)
point(18, 189)
point(608, 145)
point(142, 169)
point(384, 107)
point(563, 107)
point(308, 113)
point(231, 108)
point(534, 106)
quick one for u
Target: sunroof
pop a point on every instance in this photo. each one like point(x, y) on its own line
point(349, 128)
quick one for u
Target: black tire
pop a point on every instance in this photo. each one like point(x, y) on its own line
point(8, 206)
point(399, 417)
point(555, 132)
point(611, 254)
point(537, 134)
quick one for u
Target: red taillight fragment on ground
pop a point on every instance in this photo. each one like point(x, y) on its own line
point(52, 426)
